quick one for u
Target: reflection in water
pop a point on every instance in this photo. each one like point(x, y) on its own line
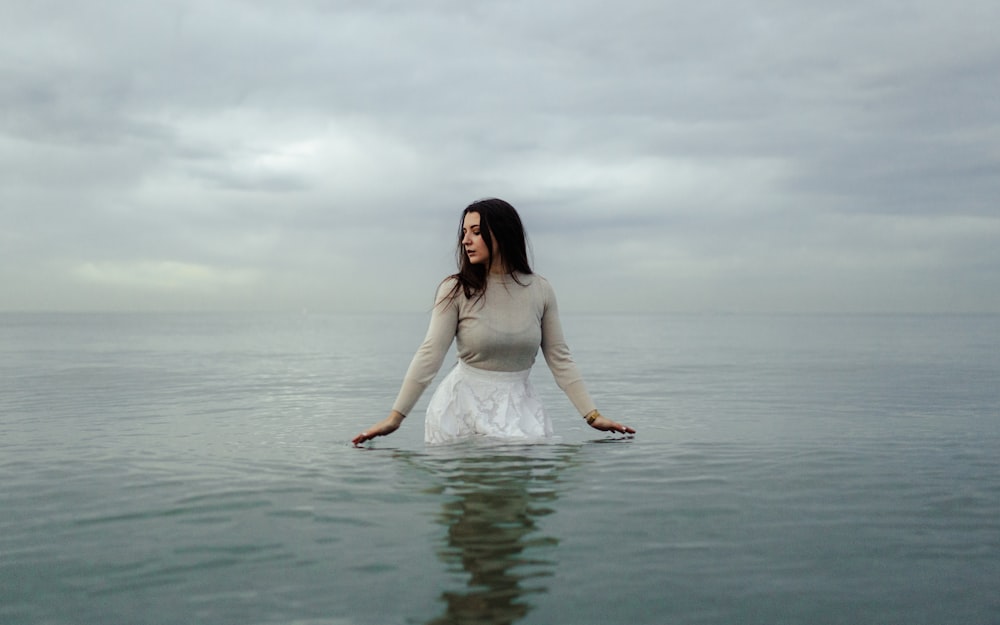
point(494, 497)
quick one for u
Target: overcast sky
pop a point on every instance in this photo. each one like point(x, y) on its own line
point(665, 156)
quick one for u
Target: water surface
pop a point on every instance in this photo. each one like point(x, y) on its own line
point(195, 469)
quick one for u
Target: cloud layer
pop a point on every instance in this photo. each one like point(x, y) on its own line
point(772, 156)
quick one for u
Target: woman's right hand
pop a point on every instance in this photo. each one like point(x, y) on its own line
point(383, 428)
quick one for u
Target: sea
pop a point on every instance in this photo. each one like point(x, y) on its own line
point(787, 469)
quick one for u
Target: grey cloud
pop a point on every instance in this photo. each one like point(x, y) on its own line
point(722, 153)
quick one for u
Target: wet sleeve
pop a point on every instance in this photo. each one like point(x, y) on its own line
point(427, 361)
point(558, 357)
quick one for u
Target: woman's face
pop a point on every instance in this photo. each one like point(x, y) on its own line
point(472, 240)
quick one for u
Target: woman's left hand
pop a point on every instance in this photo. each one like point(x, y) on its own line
point(605, 424)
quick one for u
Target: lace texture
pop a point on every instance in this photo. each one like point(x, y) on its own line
point(472, 402)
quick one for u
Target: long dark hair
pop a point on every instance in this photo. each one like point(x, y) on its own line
point(499, 221)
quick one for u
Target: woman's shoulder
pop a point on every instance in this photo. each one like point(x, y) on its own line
point(448, 286)
point(539, 281)
point(539, 286)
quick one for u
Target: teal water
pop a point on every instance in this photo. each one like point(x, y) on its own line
point(195, 469)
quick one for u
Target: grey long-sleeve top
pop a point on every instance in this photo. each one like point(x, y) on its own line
point(503, 331)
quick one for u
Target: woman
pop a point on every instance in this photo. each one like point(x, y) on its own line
point(500, 312)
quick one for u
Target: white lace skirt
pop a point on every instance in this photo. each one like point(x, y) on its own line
point(472, 402)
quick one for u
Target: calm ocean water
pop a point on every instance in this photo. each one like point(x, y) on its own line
point(788, 469)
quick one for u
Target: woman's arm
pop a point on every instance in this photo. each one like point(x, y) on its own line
point(424, 366)
point(564, 369)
